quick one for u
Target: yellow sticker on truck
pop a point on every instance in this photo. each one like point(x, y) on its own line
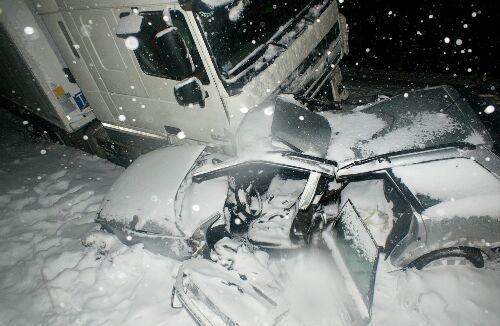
point(58, 91)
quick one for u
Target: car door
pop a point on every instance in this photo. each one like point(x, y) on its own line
point(356, 255)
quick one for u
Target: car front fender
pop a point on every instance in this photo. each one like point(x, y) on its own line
point(143, 198)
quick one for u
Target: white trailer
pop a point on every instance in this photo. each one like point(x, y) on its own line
point(33, 75)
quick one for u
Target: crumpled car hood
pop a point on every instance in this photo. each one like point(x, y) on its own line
point(423, 119)
point(419, 120)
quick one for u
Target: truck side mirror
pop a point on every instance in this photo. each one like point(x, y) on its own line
point(175, 53)
point(189, 91)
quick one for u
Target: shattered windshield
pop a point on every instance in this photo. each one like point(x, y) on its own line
point(236, 29)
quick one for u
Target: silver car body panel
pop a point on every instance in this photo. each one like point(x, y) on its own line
point(461, 208)
point(423, 232)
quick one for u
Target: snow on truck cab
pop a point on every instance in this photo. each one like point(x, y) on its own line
point(153, 70)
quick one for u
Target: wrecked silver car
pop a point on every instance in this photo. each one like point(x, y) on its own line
point(411, 179)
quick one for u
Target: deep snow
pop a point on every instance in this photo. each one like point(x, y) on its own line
point(57, 268)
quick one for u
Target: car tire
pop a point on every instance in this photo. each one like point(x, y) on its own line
point(450, 256)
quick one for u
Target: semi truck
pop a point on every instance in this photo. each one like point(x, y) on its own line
point(159, 72)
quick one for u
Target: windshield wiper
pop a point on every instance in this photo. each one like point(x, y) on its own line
point(272, 41)
point(305, 156)
point(387, 156)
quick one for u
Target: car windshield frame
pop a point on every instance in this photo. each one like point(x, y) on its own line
point(239, 74)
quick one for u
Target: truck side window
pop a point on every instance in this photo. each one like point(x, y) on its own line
point(148, 54)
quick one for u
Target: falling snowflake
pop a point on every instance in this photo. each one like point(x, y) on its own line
point(268, 111)
point(489, 109)
point(28, 30)
point(132, 43)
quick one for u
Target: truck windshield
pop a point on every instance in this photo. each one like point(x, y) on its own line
point(237, 29)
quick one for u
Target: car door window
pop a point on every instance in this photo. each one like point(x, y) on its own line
point(356, 254)
point(148, 54)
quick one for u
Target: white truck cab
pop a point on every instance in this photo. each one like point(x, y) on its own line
point(164, 70)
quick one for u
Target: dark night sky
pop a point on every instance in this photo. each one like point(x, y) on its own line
point(401, 35)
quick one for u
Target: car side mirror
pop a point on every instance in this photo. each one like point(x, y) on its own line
point(175, 53)
point(190, 91)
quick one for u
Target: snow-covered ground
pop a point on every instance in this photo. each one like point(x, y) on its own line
point(57, 268)
point(54, 268)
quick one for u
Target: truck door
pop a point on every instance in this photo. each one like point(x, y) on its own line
point(133, 75)
point(73, 52)
point(109, 65)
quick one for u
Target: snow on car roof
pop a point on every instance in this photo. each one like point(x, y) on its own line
point(453, 188)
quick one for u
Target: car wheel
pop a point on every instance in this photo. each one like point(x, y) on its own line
point(450, 257)
point(448, 261)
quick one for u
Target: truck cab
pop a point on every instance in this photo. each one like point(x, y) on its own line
point(167, 70)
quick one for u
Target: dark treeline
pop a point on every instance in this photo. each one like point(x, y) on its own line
point(412, 35)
